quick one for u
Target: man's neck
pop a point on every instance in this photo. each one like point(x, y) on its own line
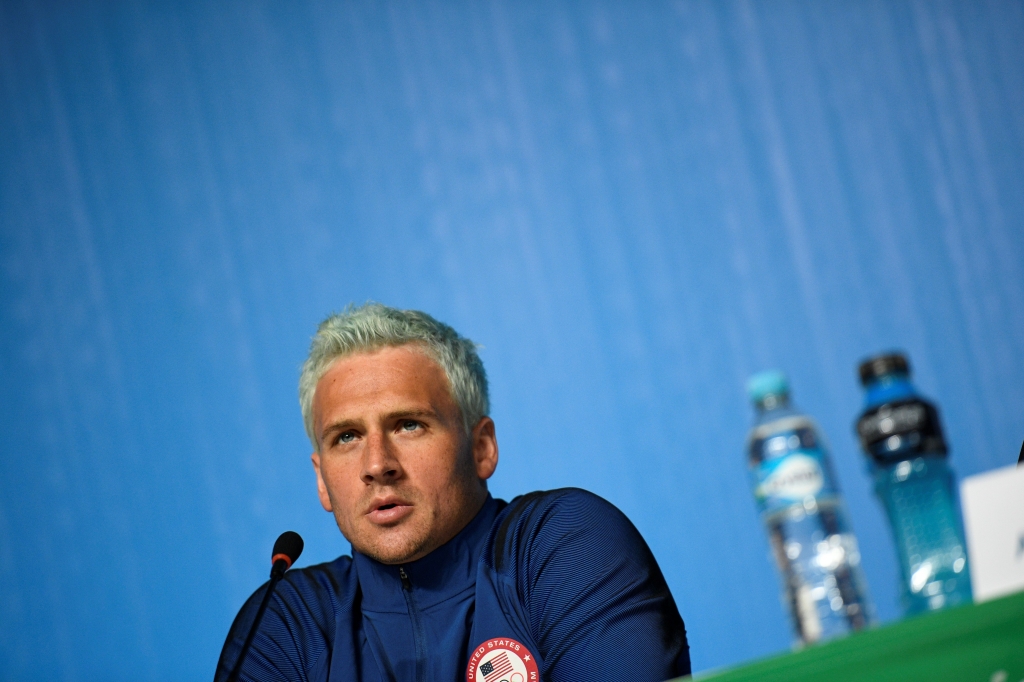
point(448, 570)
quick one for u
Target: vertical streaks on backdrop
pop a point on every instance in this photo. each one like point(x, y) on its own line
point(877, 181)
point(114, 497)
point(550, 266)
point(789, 201)
point(734, 183)
point(992, 246)
point(832, 206)
point(359, 89)
point(956, 213)
point(572, 346)
point(530, 188)
point(603, 231)
point(746, 323)
point(410, 33)
point(204, 198)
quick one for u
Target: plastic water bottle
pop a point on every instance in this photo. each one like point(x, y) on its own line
point(800, 504)
point(907, 457)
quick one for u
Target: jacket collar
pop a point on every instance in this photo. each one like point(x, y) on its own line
point(444, 573)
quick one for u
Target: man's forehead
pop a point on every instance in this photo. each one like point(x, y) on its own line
point(406, 371)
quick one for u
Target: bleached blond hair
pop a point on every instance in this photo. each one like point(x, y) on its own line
point(372, 326)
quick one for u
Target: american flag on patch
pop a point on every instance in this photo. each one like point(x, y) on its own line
point(496, 667)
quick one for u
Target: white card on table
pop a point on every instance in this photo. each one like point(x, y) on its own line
point(993, 504)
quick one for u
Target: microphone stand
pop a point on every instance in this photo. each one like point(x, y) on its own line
point(276, 573)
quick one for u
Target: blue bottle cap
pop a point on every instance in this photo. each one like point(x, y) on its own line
point(766, 383)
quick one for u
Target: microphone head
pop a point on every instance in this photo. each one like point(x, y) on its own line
point(287, 548)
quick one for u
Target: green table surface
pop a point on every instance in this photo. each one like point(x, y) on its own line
point(981, 642)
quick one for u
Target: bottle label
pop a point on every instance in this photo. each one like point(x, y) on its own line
point(897, 418)
point(899, 430)
point(792, 478)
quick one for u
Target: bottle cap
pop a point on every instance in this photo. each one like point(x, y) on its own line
point(766, 383)
point(880, 365)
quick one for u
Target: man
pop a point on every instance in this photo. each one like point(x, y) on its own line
point(446, 583)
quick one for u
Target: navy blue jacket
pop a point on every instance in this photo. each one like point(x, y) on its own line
point(555, 586)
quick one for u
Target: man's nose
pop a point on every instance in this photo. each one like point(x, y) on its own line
point(380, 464)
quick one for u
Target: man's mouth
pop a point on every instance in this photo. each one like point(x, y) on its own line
point(388, 511)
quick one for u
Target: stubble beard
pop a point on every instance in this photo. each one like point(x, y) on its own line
point(427, 528)
point(398, 544)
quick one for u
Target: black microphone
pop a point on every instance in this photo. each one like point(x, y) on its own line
point(286, 550)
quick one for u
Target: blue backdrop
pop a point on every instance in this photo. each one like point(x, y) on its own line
point(632, 206)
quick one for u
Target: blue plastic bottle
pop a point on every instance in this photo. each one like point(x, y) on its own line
point(907, 457)
point(800, 505)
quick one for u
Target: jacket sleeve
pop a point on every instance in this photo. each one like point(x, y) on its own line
point(597, 603)
point(293, 634)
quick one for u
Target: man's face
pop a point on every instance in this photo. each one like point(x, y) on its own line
point(394, 463)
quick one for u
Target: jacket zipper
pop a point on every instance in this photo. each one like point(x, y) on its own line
point(417, 626)
point(406, 583)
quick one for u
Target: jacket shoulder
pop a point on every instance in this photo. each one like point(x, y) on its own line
point(539, 521)
point(298, 624)
point(588, 587)
point(325, 582)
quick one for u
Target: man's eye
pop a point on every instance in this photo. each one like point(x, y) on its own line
point(346, 437)
point(410, 425)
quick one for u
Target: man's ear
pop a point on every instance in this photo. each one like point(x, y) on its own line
point(321, 487)
point(485, 448)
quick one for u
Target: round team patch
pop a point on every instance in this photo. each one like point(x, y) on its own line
point(502, 660)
